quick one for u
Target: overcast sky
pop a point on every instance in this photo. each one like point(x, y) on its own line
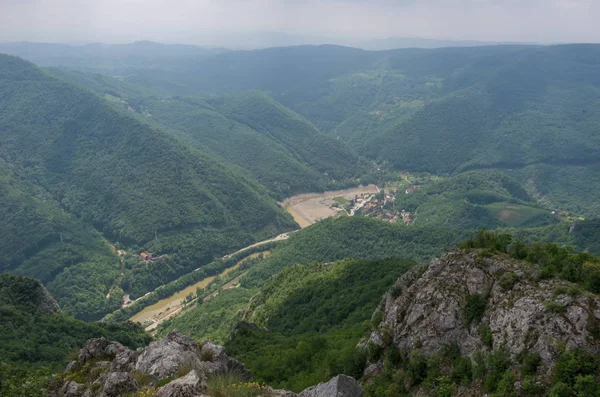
point(196, 21)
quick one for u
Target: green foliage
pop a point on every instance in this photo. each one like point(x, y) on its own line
point(497, 362)
point(554, 307)
point(574, 363)
point(506, 386)
point(354, 237)
point(233, 384)
point(416, 369)
point(445, 386)
point(508, 280)
point(36, 343)
point(485, 334)
point(560, 390)
point(314, 315)
point(475, 306)
point(586, 386)
point(530, 363)
point(212, 319)
point(462, 371)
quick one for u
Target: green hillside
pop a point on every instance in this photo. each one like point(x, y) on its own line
point(36, 340)
point(271, 143)
point(90, 166)
point(312, 316)
point(474, 200)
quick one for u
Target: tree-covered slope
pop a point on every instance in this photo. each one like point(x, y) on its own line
point(272, 143)
point(133, 183)
point(37, 338)
point(306, 321)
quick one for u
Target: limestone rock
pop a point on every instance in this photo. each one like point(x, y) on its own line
point(189, 385)
point(118, 383)
point(340, 386)
point(114, 364)
point(71, 389)
point(99, 348)
point(426, 310)
point(164, 358)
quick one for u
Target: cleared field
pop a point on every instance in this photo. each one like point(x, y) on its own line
point(513, 214)
point(312, 207)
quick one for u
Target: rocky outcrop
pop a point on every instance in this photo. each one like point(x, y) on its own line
point(46, 303)
point(340, 386)
point(190, 385)
point(462, 296)
point(111, 369)
point(175, 366)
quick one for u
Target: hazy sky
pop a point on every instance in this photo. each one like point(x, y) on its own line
point(196, 21)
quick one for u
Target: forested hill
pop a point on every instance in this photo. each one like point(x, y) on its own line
point(37, 338)
point(270, 142)
point(74, 171)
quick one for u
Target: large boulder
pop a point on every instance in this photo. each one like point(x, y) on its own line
point(71, 389)
point(189, 385)
point(99, 348)
point(118, 383)
point(340, 386)
point(166, 357)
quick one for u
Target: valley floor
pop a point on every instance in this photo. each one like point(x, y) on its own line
point(309, 208)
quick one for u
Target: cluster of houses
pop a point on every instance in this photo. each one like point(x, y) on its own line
point(377, 207)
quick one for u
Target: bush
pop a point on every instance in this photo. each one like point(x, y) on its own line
point(554, 307)
point(232, 384)
point(474, 308)
point(416, 369)
point(498, 362)
point(508, 281)
point(485, 334)
point(573, 363)
point(530, 363)
point(560, 390)
point(445, 386)
point(462, 371)
point(586, 386)
point(506, 386)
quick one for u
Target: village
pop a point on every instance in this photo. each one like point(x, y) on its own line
point(379, 205)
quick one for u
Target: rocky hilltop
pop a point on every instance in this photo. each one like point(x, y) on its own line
point(175, 366)
point(476, 303)
point(26, 293)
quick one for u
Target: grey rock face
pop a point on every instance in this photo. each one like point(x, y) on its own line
point(189, 385)
point(118, 383)
point(47, 304)
point(340, 386)
point(71, 389)
point(428, 311)
point(165, 357)
point(99, 348)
